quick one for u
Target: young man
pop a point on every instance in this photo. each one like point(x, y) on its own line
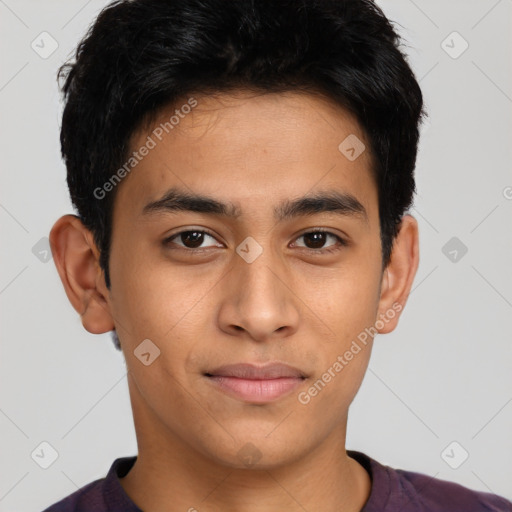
point(241, 172)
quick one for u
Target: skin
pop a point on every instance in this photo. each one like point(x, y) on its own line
point(291, 304)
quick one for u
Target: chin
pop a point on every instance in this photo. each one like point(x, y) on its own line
point(255, 453)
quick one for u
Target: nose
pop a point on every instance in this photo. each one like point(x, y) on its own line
point(259, 301)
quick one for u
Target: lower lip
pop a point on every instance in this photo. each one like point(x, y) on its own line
point(257, 391)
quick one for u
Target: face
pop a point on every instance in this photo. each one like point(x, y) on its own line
point(261, 281)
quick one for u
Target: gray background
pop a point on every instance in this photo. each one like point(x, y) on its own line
point(444, 375)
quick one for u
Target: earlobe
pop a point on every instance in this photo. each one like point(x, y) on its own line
point(76, 258)
point(399, 275)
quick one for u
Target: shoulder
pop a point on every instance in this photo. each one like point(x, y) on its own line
point(436, 494)
point(89, 497)
point(102, 495)
point(409, 491)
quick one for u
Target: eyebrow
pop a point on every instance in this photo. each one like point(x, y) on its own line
point(341, 203)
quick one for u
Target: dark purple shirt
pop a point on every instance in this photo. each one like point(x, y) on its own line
point(393, 490)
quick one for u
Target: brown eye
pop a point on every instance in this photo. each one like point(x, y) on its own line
point(316, 240)
point(189, 239)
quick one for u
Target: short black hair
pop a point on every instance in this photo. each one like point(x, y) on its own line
point(140, 56)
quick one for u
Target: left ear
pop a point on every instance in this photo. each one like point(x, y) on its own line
point(399, 275)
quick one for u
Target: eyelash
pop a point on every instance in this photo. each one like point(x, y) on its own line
point(342, 242)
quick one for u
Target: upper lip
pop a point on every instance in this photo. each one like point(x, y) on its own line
point(256, 372)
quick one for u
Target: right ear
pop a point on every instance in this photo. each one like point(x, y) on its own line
point(77, 260)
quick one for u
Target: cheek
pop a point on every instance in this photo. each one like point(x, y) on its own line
point(154, 298)
point(345, 355)
point(332, 392)
point(349, 309)
point(347, 303)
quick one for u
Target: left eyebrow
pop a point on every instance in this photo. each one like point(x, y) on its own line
point(341, 203)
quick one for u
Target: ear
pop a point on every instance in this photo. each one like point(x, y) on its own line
point(399, 275)
point(77, 260)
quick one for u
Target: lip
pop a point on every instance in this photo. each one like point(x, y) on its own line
point(254, 383)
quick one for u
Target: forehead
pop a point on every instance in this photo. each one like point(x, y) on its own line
point(251, 149)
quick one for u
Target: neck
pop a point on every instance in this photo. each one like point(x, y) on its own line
point(170, 474)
